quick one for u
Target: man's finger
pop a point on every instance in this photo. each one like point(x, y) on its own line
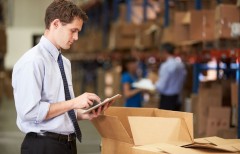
point(90, 103)
point(93, 97)
point(93, 112)
point(99, 110)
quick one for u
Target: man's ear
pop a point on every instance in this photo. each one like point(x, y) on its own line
point(55, 23)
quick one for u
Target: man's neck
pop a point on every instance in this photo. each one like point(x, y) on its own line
point(49, 36)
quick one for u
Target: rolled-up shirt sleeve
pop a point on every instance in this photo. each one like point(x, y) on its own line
point(27, 84)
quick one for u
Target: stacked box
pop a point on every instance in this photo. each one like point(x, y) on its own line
point(217, 121)
point(202, 25)
point(181, 31)
point(207, 97)
point(123, 35)
point(225, 15)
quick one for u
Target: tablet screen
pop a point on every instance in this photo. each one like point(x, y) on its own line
point(96, 105)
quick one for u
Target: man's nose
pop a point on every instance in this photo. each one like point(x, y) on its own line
point(75, 36)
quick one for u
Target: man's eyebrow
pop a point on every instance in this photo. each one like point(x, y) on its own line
point(76, 29)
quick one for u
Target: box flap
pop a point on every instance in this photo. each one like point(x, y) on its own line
point(216, 143)
point(149, 130)
point(216, 140)
point(122, 113)
point(187, 117)
point(172, 149)
point(147, 149)
point(111, 127)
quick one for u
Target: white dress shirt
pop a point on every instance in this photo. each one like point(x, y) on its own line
point(37, 82)
point(172, 74)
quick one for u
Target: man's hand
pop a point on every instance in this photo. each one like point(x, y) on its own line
point(94, 113)
point(85, 100)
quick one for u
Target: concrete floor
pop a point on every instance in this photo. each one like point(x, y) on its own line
point(11, 137)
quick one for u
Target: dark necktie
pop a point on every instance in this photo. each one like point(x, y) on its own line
point(71, 113)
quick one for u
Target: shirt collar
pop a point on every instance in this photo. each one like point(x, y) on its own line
point(47, 44)
point(170, 58)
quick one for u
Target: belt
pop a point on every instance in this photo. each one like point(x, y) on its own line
point(55, 136)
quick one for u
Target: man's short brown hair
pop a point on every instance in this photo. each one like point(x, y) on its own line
point(65, 11)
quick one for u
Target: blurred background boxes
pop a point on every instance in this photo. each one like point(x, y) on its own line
point(225, 16)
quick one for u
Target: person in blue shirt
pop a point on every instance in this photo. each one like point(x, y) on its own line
point(171, 74)
point(133, 97)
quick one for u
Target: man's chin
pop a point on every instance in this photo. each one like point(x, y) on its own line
point(66, 47)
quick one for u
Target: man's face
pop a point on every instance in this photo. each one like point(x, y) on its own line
point(66, 34)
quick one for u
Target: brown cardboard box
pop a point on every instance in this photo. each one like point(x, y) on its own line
point(80, 45)
point(95, 41)
point(122, 13)
point(147, 35)
point(123, 35)
point(122, 128)
point(209, 96)
point(85, 42)
point(202, 25)
point(216, 144)
point(181, 31)
point(230, 133)
point(167, 35)
point(225, 15)
point(217, 120)
point(209, 145)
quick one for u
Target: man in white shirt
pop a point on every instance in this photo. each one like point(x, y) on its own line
point(172, 74)
point(47, 110)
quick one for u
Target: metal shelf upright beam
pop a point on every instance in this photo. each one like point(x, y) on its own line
point(196, 71)
point(105, 22)
point(145, 5)
point(129, 10)
point(166, 13)
point(115, 10)
point(238, 82)
point(198, 4)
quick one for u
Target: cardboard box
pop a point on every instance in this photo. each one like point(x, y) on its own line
point(122, 17)
point(123, 35)
point(217, 120)
point(209, 96)
point(181, 31)
point(210, 145)
point(167, 35)
point(216, 143)
point(230, 133)
point(148, 34)
point(122, 128)
point(202, 25)
point(84, 42)
point(225, 15)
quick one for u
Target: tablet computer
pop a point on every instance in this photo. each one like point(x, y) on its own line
point(96, 105)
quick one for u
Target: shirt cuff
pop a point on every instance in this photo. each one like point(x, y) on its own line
point(42, 112)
